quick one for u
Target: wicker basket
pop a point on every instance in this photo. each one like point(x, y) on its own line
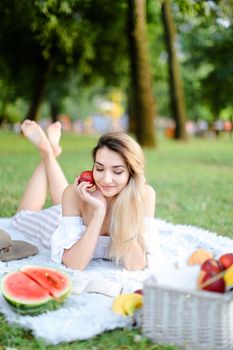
point(195, 320)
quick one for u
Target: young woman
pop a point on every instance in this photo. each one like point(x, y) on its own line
point(113, 222)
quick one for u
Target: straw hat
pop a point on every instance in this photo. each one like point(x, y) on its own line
point(14, 250)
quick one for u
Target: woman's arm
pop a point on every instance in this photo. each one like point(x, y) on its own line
point(136, 257)
point(80, 254)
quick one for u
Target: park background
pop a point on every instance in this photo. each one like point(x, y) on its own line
point(138, 65)
point(159, 70)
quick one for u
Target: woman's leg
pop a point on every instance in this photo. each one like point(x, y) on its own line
point(35, 193)
point(57, 181)
point(48, 175)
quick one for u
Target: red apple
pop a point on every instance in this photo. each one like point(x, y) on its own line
point(226, 260)
point(211, 266)
point(216, 286)
point(87, 176)
point(200, 277)
point(139, 291)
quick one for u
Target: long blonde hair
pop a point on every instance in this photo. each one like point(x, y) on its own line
point(127, 216)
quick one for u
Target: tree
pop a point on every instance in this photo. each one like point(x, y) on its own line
point(43, 41)
point(35, 45)
point(207, 46)
point(143, 99)
point(177, 98)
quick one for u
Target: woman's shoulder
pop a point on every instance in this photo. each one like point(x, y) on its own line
point(72, 204)
point(69, 193)
point(149, 200)
point(149, 192)
point(149, 189)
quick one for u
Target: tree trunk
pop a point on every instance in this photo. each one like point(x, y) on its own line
point(131, 111)
point(42, 74)
point(143, 100)
point(3, 112)
point(177, 99)
point(54, 110)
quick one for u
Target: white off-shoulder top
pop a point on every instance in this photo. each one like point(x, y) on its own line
point(71, 229)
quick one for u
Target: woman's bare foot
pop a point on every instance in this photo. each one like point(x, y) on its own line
point(54, 135)
point(36, 135)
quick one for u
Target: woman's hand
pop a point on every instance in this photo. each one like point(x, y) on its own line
point(95, 199)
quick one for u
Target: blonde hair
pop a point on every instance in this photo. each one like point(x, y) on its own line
point(127, 216)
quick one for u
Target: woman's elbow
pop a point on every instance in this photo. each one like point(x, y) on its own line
point(135, 265)
point(70, 262)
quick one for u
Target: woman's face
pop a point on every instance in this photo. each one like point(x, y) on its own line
point(110, 172)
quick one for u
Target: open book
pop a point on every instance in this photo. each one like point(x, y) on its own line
point(101, 286)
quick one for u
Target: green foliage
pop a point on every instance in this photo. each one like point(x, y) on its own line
point(68, 36)
point(85, 44)
point(205, 44)
point(82, 103)
point(107, 29)
point(158, 56)
point(214, 79)
point(20, 49)
point(14, 112)
point(195, 7)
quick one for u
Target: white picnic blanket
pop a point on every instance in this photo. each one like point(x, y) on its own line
point(88, 314)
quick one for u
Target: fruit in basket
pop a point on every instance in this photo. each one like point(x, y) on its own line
point(34, 289)
point(199, 256)
point(200, 277)
point(126, 304)
point(211, 266)
point(226, 260)
point(87, 176)
point(212, 282)
point(139, 291)
point(228, 277)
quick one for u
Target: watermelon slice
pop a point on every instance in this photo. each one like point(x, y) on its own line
point(35, 290)
point(57, 283)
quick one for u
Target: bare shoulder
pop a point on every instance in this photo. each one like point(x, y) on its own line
point(71, 202)
point(149, 199)
point(149, 191)
point(69, 192)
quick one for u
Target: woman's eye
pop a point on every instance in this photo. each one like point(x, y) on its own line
point(118, 172)
point(99, 169)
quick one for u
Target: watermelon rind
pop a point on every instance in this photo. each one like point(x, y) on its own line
point(51, 305)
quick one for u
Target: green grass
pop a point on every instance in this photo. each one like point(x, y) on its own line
point(193, 182)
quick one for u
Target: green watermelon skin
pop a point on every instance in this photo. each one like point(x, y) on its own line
point(28, 297)
point(35, 310)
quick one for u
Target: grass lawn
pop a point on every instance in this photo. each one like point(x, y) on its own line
point(193, 182)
